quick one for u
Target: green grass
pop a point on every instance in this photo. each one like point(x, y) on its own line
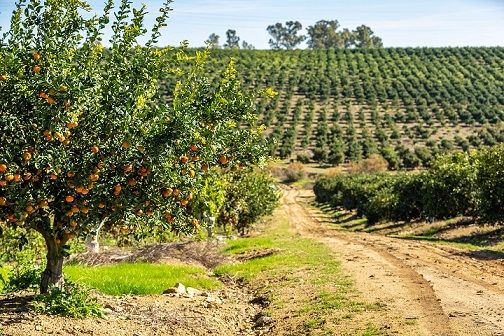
point(139, 278)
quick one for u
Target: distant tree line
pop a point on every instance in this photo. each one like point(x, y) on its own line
point(324, 34)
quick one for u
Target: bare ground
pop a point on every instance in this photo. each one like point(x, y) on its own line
point(427, 289)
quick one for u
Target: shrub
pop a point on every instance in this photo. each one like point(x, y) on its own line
point(490, 183)
point(375, 163)
point(75, 302)
point(294, 172)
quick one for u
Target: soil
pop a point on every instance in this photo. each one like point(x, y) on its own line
point(424, 289)
point(428, 289)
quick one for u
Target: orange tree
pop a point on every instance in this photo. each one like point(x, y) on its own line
point(84, 137)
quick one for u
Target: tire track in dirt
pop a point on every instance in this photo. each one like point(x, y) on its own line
point(435, 290)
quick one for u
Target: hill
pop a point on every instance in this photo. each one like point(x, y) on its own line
point(406, 104)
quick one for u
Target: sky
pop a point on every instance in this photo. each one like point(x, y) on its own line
point(400, 23)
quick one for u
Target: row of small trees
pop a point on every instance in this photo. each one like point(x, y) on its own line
point(459, 184)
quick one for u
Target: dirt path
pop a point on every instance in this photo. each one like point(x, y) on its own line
point(426, 289)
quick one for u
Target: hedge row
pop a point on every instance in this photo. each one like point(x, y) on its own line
point(459, 184)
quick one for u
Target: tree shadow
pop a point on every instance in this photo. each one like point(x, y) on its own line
point(13, 308)
point(483, 255)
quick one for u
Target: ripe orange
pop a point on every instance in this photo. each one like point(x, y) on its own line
point(132, 182)
point(69, 199)
point(184, 202)
point(4, 77)
point(176, 192)
point(72, 124)
point(192, 173)
point(125, 145)
point(85, 191)
point(9, 178)
point(27, 176)
point(167, 192)
point(27, 156)
point(204, 167)
point(43, 204)
point(101, 205)
point(128, 168)
point(50, 100)
point(3, 183)
point(195, 158)
point(184, 159)
point(95, 149)
point(36, 69)
point(94, 177)
point(3, 201)
point(70, 174)
point(117, 188)
point(195, 222)
point(30, 209)
point(37, 56)
point(42, 94)
point(53, 177)
point(75, 209)
point(223, 159)
point(17, 178)
point(73, 223)
point(169, 217)
point(3, 168)
point(194, 148)
point(85, 210)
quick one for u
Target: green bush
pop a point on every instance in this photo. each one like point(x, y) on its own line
point(75, 301)
point(490, 183)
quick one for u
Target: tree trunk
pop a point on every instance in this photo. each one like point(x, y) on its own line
point(53, 274)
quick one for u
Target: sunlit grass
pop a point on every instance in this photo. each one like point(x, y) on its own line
point(139, 278)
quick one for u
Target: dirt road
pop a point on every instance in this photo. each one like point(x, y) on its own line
point(425, 289)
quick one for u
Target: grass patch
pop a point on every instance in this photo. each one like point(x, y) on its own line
point(139, 278)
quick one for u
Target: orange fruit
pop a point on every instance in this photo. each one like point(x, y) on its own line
point(3, 201)
point(128, 168)
point(50, 100)
point(29, 208)
point(184, 202)
point(132, 182)
point(36, 69)
point(69, 199)
point(9, 178)
point(184, 159)
point(4, 77)
point(3, 183)
point(70, 174)
point(167, 192)
point(73, 223)
point(3, 167)
point(17, 178)
point(101, 205)
point(36, 56)
point(117, 188)
point(176, 192)
point(194, 148)
point(85, 191)
point(94, 177)
point(195, 222)
point(223, 159)
point(204, 167)
point(43, 204)
point(95, 149)
point(125, 145)
point(192, 173)
point(27, 156)
point(27, 176)
point(75, 209)
point(72, 124)
point(85, 210)
point(169, 217)
point(195, 158)
point(53, 177)
point(42, 94)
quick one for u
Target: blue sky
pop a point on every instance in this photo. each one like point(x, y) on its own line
point(400, 23)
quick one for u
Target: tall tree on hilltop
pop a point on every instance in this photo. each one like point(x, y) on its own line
point(364, 38)
point(213, 41)
point(247, 46)
point(285, 36)
point(232, 40)
point(324, 35)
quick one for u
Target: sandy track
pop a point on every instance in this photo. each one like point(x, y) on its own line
point(426, 289)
